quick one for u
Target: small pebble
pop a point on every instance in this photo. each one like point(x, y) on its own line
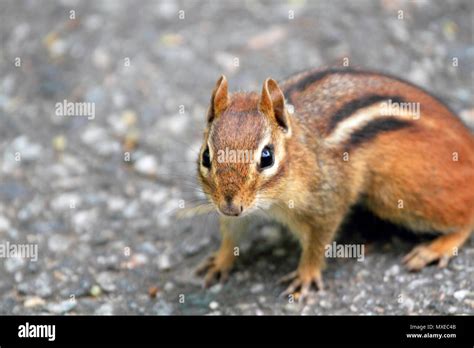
point(169, 286)
point(216, 288)
point(453, 310)
point(325, 304)
point(96, 291)
point(408, 303)
point(4, 224)
point(162, 308)
point(34, 301)
point(153, 291)
point(105, 309)
point(164, 262)
point(146, 165)
point(59, 143)
point(106, 281)
point(14, 264)
point(61, 307)
point(256, 288)
point(460, 294)
point(392, 271)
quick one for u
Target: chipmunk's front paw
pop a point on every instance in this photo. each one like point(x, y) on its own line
point(216, 268)
point(302, 283)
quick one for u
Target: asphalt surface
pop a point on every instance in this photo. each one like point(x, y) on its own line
point(98, 194)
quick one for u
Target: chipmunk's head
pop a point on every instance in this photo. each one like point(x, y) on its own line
point(243, 159)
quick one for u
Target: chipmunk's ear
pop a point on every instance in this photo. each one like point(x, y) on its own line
point(272, 104)
point(219, 99)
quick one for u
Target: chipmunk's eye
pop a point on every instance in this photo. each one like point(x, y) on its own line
point(206, 158)
point(266, 158)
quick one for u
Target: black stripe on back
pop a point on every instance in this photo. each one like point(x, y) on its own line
point(319, 75)
point(372, 129)
point(304, 83)
point(349, 108)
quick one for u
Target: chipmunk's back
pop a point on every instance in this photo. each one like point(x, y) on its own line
point(404, 143)
point(324, 99)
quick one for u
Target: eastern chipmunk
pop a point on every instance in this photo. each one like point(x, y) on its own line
point(325, 140)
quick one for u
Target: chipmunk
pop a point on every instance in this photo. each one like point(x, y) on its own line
point(324, 140)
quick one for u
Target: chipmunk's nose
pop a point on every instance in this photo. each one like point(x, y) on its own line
point(230, 208)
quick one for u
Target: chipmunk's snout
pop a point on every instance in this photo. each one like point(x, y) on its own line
point(230, 206)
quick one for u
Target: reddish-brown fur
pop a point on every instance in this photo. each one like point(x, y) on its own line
point(336, 150)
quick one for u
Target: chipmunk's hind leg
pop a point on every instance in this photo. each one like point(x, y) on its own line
point(441, 249)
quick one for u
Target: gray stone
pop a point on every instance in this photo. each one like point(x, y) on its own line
point(461, 294)
point(106, 281)
point(13, 264)
point(257, 288)
point(147, 165)
point(58, 243)
point(105, 309)
point(164, 262)
point(162, 307)
point(61, 307)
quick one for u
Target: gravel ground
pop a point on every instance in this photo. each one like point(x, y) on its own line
point(98, 195)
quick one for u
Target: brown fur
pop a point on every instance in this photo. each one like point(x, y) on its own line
point(313, 188)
